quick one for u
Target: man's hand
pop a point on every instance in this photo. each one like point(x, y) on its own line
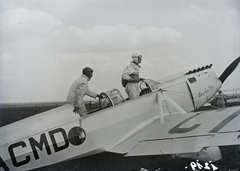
point(134, 78)
point(100, 96)
point(76, 110)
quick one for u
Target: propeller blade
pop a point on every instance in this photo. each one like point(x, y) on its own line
point(229, 69)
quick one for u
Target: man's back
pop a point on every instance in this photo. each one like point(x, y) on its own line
point(78, 88)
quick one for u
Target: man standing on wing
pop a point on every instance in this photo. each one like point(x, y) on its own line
point(130, 77)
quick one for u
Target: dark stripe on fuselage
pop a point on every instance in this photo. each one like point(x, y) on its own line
point(225, 122)
point(176, 129)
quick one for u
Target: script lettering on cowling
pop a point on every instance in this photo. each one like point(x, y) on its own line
point(205, 91)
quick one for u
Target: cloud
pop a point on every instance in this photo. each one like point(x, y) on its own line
point(19, 23)
point(102, 39)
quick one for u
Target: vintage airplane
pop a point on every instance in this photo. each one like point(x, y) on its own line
point(163, 120)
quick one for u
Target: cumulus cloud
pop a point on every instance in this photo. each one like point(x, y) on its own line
point(21, 23)
point(114, 38)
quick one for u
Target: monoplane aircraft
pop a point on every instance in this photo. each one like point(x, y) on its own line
point(163, 120)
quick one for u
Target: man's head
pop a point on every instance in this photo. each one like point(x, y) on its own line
point(137, 58)
point(88, 72)
point(220, 92)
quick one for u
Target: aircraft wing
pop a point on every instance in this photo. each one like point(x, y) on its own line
point(182, 133)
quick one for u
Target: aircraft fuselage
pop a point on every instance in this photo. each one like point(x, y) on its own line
point(53, 136)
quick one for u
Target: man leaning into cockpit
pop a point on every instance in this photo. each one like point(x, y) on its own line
point(78, 90)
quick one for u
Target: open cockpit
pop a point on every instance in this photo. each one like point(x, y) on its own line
point(114, 97)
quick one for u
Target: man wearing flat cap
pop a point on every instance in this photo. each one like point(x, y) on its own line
point(130, 76)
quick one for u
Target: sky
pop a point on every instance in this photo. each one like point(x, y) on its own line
point(45, 44)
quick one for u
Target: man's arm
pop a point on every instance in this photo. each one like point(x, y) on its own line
point(128, 74)
point(91, 93)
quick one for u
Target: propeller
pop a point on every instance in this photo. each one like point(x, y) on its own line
point(229, 69)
